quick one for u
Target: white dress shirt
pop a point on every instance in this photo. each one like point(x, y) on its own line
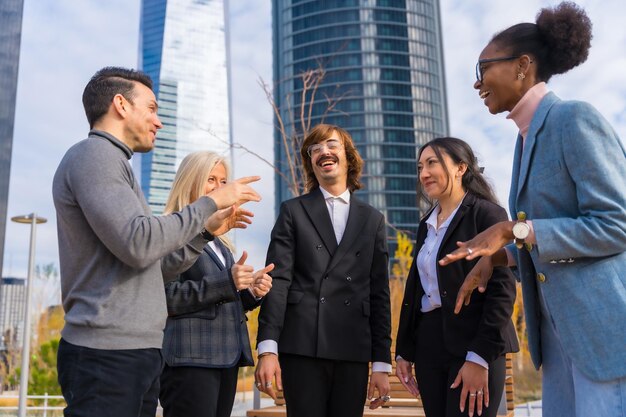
point(338, 210)
point(217, 251)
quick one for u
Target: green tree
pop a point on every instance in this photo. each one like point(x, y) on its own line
point(43, 374)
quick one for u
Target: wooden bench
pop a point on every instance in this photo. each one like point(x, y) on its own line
point(401, 403)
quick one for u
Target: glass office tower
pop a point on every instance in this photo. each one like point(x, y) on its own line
point(10, 37)
point(12, 299)
point(184, 48)
point(384, 59)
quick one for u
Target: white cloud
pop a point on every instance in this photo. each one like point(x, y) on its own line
point(64, 42)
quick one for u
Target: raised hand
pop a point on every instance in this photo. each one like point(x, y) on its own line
point(404, 372)
point(235, 192)
point(477, 278)
point(226, 219)
point(262, 281)
point(485, 243)
point(242, 273)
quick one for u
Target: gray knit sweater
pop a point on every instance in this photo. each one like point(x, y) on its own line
point(110, 247)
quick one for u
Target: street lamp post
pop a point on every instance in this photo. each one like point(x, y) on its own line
point(33, 220)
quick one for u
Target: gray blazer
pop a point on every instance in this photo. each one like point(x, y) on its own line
point(571, 182)
point(206, 326)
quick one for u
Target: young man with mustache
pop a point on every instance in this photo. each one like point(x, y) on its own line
point(328, 314)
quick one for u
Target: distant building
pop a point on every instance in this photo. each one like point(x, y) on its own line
point(385, 58)
point(184, 48)
point(10, 37)
point(12, 299)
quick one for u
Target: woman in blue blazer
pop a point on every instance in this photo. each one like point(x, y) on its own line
point(568, 202)
point(206, 336)
point(459, 360)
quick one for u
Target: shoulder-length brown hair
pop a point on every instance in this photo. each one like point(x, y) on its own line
point(321, 133)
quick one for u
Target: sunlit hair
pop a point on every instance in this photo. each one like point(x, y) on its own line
point(459, 152)
point(559, 40)
point(188, 185)
point(320, 133)
point(105, 85)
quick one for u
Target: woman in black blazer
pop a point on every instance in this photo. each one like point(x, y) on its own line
point(206, 336)
point(459, 359)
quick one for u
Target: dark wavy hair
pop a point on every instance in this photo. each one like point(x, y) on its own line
point(559, 40)
point(321, 133)
point(107, 83)
point(459, 151)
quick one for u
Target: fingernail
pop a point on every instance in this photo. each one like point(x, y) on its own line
point(406, 379)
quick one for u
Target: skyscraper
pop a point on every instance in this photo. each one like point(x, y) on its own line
point(10, 37)
point(184, 48)
point(384, 59)
point(12, 299)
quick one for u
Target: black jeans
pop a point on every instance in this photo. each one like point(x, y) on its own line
point(109, 383)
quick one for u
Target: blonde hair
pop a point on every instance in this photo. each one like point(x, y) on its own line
point(188, 185)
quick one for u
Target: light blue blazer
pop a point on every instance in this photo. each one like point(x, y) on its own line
point(571, 182)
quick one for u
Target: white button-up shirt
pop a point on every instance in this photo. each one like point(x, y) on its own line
point(338, 209)
point(427, 260)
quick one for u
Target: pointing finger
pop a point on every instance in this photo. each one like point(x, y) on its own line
point(248, 180)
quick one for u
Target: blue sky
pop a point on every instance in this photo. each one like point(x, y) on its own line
point(65, 41)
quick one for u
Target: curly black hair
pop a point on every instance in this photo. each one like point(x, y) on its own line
point(559, 40)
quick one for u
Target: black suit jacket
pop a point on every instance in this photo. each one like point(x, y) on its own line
point(484, 326)
point(327, 300)
point(207, 326)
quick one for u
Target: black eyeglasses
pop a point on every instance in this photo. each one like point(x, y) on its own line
point(479, 70)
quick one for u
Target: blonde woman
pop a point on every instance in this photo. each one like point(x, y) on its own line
point(206, 336)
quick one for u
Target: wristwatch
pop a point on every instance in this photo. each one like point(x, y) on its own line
point(206, 234)
point(521, 230)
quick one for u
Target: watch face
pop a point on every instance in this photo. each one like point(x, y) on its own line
point(521, 230)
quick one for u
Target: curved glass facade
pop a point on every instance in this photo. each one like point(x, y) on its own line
point(183, 47)
point(385, 59)
point(10, 37)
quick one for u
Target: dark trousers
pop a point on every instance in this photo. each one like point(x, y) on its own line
point(198, 392)
point(436, 369)
point(109, 383)
point(323, 388)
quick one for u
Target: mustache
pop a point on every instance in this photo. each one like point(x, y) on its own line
point(325, 158)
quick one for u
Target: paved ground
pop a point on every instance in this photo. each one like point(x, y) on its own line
point(243, 402)
point(532, 409)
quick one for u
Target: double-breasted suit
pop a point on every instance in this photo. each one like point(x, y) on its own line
point(328, 300)
point(569, 177)
point(329, 308)
point(484, 326)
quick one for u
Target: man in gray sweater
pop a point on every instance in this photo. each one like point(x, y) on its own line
point(114, 252)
